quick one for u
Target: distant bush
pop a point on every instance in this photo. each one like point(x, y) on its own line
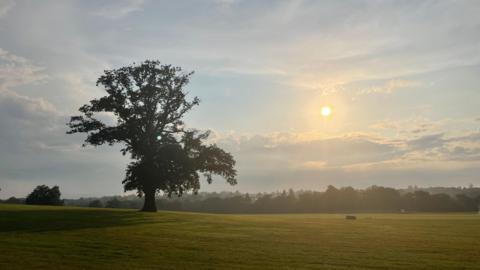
point(43, 195)
point(113, 203)
point(13, 200)
point(96, 204)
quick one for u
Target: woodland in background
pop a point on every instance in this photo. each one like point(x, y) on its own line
point(333, 200)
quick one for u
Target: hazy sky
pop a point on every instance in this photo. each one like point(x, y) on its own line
point(402, 79)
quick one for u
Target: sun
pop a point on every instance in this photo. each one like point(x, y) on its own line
point(326, 111)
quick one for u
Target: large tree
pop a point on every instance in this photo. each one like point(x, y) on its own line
point(43, 195)
point(149, 102)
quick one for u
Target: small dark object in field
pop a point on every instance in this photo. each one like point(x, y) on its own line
point(350, 217)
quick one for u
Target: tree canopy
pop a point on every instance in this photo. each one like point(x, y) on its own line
point(148, 102)
point(43, 195)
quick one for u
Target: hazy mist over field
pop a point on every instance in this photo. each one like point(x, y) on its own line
point(302, 93)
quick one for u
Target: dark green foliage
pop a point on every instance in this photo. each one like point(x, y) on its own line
point(178, 164)
point(96, 204)
point(113, 203)
point(149, 102)
point(13, 200)
point(43, 195)
point(333, 200)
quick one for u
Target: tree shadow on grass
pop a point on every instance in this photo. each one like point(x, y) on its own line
point(44, 220)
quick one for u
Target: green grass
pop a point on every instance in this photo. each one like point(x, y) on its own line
point(37, 237)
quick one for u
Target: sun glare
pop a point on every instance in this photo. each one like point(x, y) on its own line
point(326, 111)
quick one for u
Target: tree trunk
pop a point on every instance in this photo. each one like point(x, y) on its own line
point(149, 205)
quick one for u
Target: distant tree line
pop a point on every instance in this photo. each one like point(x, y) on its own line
point(333, 200)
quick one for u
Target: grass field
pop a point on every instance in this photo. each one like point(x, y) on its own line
point(34, 237)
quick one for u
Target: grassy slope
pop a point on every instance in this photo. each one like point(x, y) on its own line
point(77, 238)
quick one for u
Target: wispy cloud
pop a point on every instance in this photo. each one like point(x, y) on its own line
point(6, 6)
point(308, 151)
point(119, 9)
point(389, 87)
point(16, 70)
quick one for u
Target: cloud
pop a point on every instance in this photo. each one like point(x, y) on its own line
point(389, 87)
point(21, 116)
point(298, 152)
point(26, 121)
point(330, 45)
point(290, 150)
point(119, 9)
point(440, 148)
point(35, 150)
point(33, 145)
point(226, 3)
point(16, 70)
point(421, 129)
point(427, 142)
point(418, 125)
point(6, 6)
point(312, 160)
